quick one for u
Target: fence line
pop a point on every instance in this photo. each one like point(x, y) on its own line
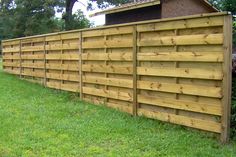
point(175, 70)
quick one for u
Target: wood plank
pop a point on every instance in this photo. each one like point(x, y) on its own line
point(209, 74)
point(32, 57)
point(182, 24)
point(10, 50)
point(108, 93)
point(56, 47)
point(62, 56)
point(32, 48)
point(108, 81)
point(227, 80)
point(11, 57)
point(33, 74)
point(107, 56)
point(203, 39)
point(9, 43)
point(33, 65)
point(213, 109)
point(69, 36)
point(70, 87)
point(119, 107)
point(15, 72)
point(65, 77)
point(198, 90)
point(109, 31)
point(107, 44)
point(182, 120)
point(182, 56)
point(11, 64)
point(67, 67)
point(33, 40)
point(107, 69)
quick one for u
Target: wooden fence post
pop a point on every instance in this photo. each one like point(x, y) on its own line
point(45, 62)
point(227, 79)
point(20, 59)
point(80, 66)
point(135, 70)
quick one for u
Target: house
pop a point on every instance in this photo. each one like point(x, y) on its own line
point(154, 9)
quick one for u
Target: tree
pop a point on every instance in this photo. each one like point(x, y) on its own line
point(227, 5)
point(68, 17)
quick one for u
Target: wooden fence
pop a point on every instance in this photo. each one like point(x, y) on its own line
point(176, 70)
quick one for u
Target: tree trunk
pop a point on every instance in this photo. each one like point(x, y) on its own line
point(68, 15)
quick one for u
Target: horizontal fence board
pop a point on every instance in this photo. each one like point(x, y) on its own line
point(209, 39)
point(182, 56)
point(181, 24)
point(182, 120)
point(110, 31)
point(58, 66)
point(32, 48)
point(33, 73)
point(10, 50)
point(108, 44)
point(33, 65)
point(181, 72)
point(62, 56)
point(66, 77)
point(108, 81)
point(107, 56)
point(32, 57)
point(108, 93)
point(107, 69)
point(181, 88)
point(214, 109)
point(56, 47)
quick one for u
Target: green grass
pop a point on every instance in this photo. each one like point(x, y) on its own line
point(35, 121)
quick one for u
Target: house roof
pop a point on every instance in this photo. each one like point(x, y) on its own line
point(141, 4)
point(128, 6)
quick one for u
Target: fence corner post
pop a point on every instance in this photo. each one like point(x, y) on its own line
point(227, 79)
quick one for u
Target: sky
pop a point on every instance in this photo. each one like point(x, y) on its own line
point(82, 4)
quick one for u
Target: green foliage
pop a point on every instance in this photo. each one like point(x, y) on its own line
point(233, 111)
point(227, 5)
point(36, 121)
point(20, 18)
point(78, 21)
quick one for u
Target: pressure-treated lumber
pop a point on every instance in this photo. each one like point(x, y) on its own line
point(176, 70)
point(227, 80)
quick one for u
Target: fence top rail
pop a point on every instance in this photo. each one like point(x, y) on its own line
point(126, 24)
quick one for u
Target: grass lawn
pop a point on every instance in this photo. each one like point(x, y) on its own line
point(42, 122)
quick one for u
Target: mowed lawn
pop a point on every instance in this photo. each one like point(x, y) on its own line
point(35, 121)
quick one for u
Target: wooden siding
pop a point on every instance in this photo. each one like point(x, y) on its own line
point(175, 70)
